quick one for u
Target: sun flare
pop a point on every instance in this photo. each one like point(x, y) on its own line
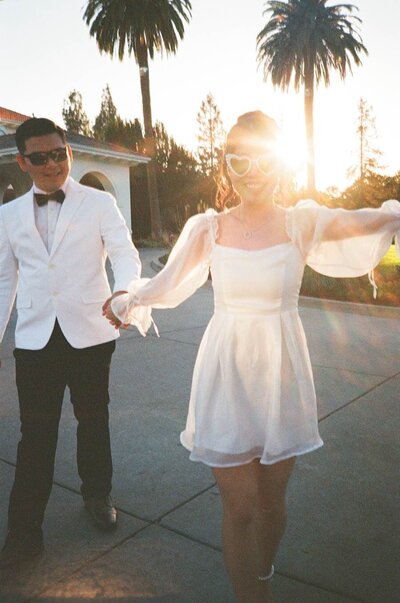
point(290, 150)
point(330, 161)
point(292, 154)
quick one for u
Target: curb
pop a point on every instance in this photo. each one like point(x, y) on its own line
point(349, 307)
point(156, 265)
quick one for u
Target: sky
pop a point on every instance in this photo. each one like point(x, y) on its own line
point(46, 52)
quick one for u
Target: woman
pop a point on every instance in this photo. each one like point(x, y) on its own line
point(252, 407)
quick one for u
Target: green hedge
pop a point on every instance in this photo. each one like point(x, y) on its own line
point(357, 290)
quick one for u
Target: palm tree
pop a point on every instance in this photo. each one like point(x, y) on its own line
point(140, 27)
point(307, 38)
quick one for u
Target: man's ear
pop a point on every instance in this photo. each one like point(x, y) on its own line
point(21, 162)
point(69, 150)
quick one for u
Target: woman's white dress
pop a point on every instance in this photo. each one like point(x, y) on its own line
point(252, 393)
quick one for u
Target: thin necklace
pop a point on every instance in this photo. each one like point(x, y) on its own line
point(249, 232)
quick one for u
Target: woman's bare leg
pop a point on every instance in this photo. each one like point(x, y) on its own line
point(238, 490)
point(254, 517)
point(272, 481)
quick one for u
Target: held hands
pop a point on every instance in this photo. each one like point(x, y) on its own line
point(109, 314)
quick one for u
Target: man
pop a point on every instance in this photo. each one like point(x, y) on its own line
point(54, 241)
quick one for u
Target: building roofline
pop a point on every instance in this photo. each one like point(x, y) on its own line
point(85, 146)
point(79, 143)
point(12, 117)
point(109, 153)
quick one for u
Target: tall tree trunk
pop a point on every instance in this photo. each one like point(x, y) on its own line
point(150, 146)
point(309, 117)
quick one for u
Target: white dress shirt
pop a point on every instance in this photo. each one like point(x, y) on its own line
point(46, 216)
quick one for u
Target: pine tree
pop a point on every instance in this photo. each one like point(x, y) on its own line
point(164, 143)
point(211, 136)
point(368, 154)
point(370, 188)
point(129, 134)
point(75, 118)
point(367, 164)
point(106, 123)
point(170, 156)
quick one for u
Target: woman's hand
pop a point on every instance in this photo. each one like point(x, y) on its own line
point(109, 314)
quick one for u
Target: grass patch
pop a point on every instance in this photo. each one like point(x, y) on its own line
point(391, 258)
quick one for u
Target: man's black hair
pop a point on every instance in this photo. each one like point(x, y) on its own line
point(36, 126)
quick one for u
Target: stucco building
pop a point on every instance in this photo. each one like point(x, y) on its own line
point(101, 165)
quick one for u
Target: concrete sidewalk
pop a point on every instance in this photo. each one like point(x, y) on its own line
point(341, 544)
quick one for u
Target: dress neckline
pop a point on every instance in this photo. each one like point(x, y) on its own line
point(253, 250)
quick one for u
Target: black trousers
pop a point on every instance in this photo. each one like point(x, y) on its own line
point(42, 377)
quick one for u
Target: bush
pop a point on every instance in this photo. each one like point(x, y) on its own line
point(358, 290)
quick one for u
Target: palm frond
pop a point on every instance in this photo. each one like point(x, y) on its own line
point(303, 32)
point(123, 27)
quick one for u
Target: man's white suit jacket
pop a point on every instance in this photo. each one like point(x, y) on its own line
point(70, 282)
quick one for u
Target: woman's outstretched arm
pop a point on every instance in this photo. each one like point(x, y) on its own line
point(186, 270)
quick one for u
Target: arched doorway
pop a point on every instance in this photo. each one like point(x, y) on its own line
point(93, 181)
point(9, 194)
point(99, 181)
point(13, 182)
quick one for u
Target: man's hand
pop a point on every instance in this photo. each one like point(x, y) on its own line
point(109, 314)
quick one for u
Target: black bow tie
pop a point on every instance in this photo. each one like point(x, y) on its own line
point(42, 199)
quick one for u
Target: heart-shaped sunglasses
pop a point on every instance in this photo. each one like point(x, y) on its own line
point(240, 165)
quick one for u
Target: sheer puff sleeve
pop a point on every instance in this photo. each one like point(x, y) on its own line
point(185, 271)
point(340, 242)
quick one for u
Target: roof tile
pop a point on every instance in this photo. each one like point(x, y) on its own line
point(9, 115)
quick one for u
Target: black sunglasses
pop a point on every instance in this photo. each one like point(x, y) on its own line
point(42, 158)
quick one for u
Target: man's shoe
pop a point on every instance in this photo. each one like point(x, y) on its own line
point(102, 512)
point(21, 546)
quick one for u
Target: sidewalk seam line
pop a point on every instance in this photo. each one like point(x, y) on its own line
point(86, 564)
point(192, 539)
point(156, 521)
point(185, 502)
point(348, 370)
point(368, 391)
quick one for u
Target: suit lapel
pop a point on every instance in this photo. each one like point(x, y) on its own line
point(27, 215)
point(74, 197)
